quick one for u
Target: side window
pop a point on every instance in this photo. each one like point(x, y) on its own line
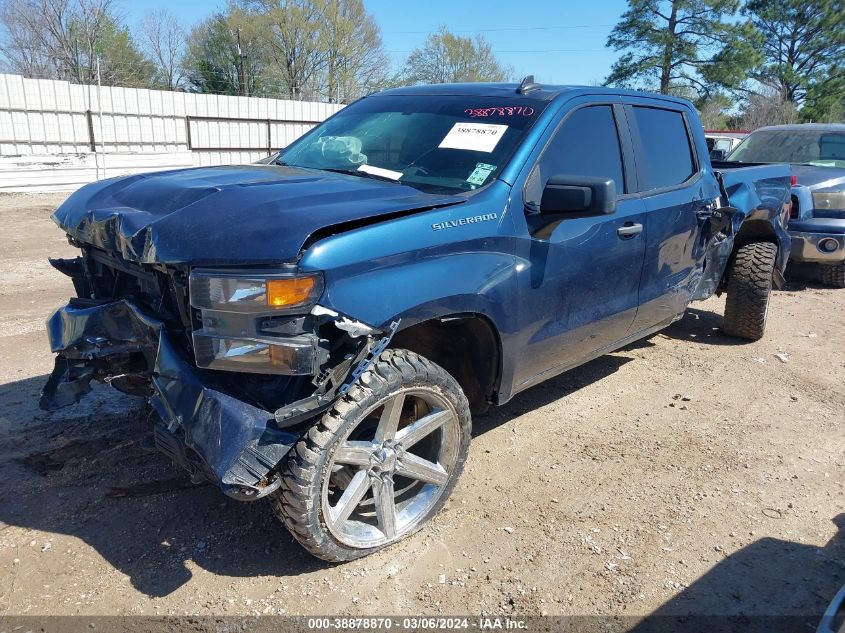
point(587, 144)
point(665, 153)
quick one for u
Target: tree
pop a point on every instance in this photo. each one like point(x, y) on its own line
point(163, 40)
point(23, 47)
point(293, 34)
point(220, 60)
point(65, 39)
point(329, 49)
point(825, 102)
point(715, 111)
point(803, 43)
point(680, 42)
point(449, 58)
point(121, 61)
point(355, 61)
point(767, 108)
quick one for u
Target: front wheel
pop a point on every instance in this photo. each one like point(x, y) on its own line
point(380, 463)
point(749, 290)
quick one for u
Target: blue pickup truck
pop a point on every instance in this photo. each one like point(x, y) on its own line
point(816, 152)
point(321, 330)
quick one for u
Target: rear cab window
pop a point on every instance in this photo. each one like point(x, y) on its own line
point(665, 154)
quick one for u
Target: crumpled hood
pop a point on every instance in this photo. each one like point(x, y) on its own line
point(249, 214)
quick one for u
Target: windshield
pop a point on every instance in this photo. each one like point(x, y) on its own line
point(816, 147)
point(439, 144)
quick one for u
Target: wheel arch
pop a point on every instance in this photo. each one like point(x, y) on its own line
point(465, 344)
point(759, 229)
point(755, 230)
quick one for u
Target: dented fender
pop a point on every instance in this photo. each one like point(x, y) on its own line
point(751, 197)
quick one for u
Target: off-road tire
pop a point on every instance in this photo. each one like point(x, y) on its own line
point(834, 276)
point(749, 290)
point(298, 501)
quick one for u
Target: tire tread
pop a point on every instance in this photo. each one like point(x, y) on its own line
point(834, 276)
point(749, 287)
point(297, 502)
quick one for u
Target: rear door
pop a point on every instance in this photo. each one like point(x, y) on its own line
point(676, 190)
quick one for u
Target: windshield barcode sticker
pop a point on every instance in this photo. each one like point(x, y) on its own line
point(476, 137)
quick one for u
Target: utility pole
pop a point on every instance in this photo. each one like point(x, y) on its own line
point(243, 86)
point(100, 103)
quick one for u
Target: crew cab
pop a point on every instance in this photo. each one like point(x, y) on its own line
point(321, 330)
point(816, 152)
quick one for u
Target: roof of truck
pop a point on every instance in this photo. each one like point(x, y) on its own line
point(797, 127)
point(543, 92)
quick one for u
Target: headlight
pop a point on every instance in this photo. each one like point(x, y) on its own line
point(291, 356)
point(233, 306)
point(829, 200)
point(252, 293)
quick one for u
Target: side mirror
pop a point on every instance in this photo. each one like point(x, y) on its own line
point(578, 196)
point(718, 154)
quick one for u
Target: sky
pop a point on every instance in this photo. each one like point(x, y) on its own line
point(558, 41)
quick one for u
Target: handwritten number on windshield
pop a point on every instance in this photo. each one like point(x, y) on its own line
point(500, 111)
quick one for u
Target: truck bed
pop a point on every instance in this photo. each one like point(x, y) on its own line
point(733, 173)
point(755, 195)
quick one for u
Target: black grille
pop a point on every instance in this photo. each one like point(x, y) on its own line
point(158, 291)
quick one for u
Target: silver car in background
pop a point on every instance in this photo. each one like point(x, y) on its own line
point(816, 152)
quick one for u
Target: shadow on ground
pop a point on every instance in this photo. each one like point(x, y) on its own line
point(701, 326)
point(83, 472)
point(768, 586)
point(803, 276)
point(59, 470)
point(87, 475)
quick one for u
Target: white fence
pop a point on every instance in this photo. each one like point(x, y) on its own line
point(57, 136)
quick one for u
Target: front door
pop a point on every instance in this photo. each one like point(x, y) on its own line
point(579, 289)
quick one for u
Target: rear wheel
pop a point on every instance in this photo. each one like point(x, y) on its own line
point(380, 463)
point(749, 290)
point(834, 276)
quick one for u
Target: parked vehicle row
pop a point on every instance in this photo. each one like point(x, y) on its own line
point(720, 144)
point(817, 220)
point(320, 330)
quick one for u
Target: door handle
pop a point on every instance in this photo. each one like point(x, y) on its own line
point(629, 230)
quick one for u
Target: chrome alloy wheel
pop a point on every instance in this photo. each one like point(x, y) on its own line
point(390, 469)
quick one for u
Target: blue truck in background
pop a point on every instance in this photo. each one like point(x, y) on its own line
point(320, 330)
point(816, 152)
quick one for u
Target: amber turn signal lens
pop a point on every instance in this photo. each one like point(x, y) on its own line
point(289, 292)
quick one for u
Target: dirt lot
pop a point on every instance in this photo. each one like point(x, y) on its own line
point(689, 473)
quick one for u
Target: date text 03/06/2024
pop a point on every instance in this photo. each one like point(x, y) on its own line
point(417, 623)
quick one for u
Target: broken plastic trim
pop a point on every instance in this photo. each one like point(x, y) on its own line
point(352, 327)
point(94, 340)
point(233, 443)
point(210, 433)
point(719, 240)
point(335, 383)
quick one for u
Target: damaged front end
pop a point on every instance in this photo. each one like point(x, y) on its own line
point(234, 363)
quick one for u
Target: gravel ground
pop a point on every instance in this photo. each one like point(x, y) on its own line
point(688, 473)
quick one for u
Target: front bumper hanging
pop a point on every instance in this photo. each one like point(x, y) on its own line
point(212, 434)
